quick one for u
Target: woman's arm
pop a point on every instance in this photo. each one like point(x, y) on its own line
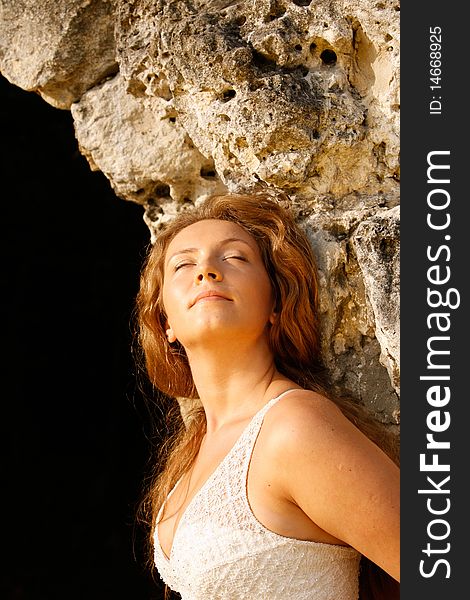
point(340, 479)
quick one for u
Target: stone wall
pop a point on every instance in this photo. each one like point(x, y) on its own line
point(174, 100)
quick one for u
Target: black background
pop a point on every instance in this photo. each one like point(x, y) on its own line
point(73, 422)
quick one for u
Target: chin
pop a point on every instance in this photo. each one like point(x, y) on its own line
point(211, 329)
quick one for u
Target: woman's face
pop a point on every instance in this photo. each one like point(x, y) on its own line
point(215, 286)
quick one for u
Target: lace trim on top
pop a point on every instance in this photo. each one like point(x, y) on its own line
point(221, 551)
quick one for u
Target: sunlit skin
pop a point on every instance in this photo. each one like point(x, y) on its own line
point(216, 257)
point(313, 475)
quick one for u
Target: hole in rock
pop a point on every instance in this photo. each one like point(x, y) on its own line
point(228, 95)
point(261, 61)
point(239, 21)
point(208, 172)
point(162, 190)
point(328, 57)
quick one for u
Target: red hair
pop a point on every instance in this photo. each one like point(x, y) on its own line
point(294, 337)
point(290, 264)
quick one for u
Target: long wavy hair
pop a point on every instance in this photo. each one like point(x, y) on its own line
point(294, 340)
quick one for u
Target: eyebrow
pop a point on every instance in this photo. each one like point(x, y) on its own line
point(222, 243)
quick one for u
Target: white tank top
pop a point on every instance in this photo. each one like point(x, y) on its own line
point(221, 551)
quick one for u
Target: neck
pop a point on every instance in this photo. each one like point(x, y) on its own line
point(233, 383)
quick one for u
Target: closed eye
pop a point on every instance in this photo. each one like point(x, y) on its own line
point(236, 257)
point(181, 265)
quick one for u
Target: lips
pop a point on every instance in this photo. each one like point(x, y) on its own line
point(206, 294)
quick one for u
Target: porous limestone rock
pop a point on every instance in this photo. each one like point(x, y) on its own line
point(357, 253)
point(300, 96)
point(279, 91)
point(376, 241)
point(143, 150)
point(58, 48)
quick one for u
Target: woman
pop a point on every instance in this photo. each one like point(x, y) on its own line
point(270, 489)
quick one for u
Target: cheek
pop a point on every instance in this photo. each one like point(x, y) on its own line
point(173, 299)
point(167, 299)
point(263, 294)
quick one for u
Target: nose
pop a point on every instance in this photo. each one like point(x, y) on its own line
point(208, 272)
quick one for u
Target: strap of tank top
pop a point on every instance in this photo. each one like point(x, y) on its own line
point(255, 428)
point(273, 401)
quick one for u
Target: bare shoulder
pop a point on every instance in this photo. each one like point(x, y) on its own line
point(305, 427)
point(318, 460)
point(305, 416)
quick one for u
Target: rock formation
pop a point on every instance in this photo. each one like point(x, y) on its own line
point(174, 100)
